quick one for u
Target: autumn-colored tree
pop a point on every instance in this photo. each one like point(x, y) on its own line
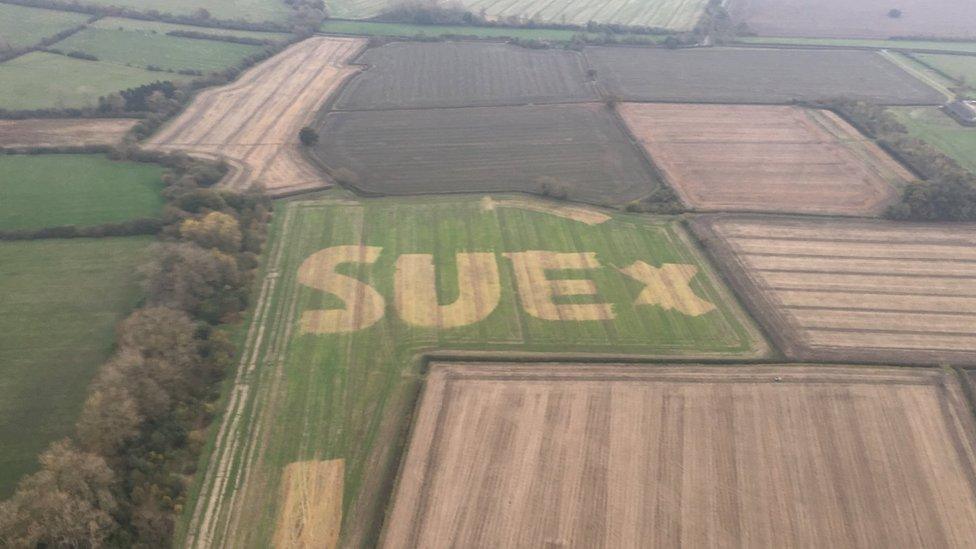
point(214, 230)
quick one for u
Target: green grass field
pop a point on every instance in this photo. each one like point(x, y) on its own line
point(61, 302)
point(118, 23)
point(41, 80)
point(250, 10)
point(942, 132)
point(21, 26)
point(140, 48)
point(404, 30)
point(308, 396)
point(75, 189)
point(959, 67)
point(938, 45)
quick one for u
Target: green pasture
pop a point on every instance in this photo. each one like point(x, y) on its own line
point(118, 23)
point(405, 30)
point(256, 11)
point(349, 395)
point(61, 302)
point(141, 48)
point(931, 125)
point(50, 190)
point(22, 27)
point(959, 67)
point(936, 45)
point(40, 80)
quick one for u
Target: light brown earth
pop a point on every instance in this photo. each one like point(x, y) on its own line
point(575, 455)
point(765, 158)
point(64, 132)
point(854, 290)
point(253, 123)
point(311, 505)
point(415, 283)
point(589, 216)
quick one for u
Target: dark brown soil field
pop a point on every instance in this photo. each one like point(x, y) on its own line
point(865, 291)
point(765, 158)
point(460, 74)
point(575, 455)
point(577, 148)
point(756, 75)
point(857, 19)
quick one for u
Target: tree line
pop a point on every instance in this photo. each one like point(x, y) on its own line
point(122, 477)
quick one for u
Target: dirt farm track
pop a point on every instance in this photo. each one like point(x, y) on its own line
point(573, 455)
point(253, 123)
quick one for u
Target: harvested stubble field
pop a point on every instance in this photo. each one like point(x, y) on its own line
point(576, 455)
point(465, 74)
point(64, 132)
point(765, 158)
point(253, 123)
point(330, 366)
point(675, 15)
point(870, 291)
point(860, 19)
point(755, 75)
point(577, 148)
point(61, 302)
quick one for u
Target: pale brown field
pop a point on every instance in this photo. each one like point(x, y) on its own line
point(63, 132)
point(765, 158)
point(253, 123)
point(577, 455)
point(854, 290)
point(311, 505)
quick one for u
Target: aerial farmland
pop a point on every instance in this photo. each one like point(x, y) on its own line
point(359, 273)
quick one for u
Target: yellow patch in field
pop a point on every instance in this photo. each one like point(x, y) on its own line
point(364, 305)
point(573, 213)
point(416, 290)
point(311, 510)
point(537, 293)
point(668, 286)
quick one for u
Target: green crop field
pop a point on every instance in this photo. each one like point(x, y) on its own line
point(40, 80)
point(959, 67)
point(21, 27)
point(305, 391)
point(50, 190)
point(118, 23)
point(942, 132)
point(937, 45)
point(140, 48)
point(250, 10)
point(61, 302)
point(405, 30)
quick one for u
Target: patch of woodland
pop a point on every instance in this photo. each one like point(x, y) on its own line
point(945, 191)
point(662, 200)
point(122, 478)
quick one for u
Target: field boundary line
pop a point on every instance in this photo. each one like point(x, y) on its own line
point(917, 73)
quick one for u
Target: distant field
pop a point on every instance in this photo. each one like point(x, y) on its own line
point(755, 75)
point(858, 19)
point(943, 45)
point(403, 30)
point(959, 67)
point(578, 148)
point(517, 455)
point(944, 133)
point(250, 10)
point(336, 371)
point(676, 15)
point(873, 291)
point(464, 74)
point(21, 26)
point(61, 302)
point(765, 158)
point(74, 189)
point(42, 80)
point(63, 132)
point(143, 49)
point(117, 23)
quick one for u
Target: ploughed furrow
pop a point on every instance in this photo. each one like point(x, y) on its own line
point(906, 291)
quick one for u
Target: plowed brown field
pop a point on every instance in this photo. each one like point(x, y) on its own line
point(763, 158)
point(62, 132)
point(854, 290)
point(253, 123)
point(579, 455)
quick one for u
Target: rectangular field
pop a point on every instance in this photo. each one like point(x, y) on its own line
point(755, 75)
point(64, 132)
point(255, 11)
point(118, 23)
point(576, 148)
point(330, 367)
point(759, 158)
point(675, 15)
point(465, 74)
point(61, 302)
point(577, 455)
point(860, 19)
point(935, 127)
point(50, 190)
point(866, 291)
point(253, 123)
point(961, 68)
point(22, 27)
